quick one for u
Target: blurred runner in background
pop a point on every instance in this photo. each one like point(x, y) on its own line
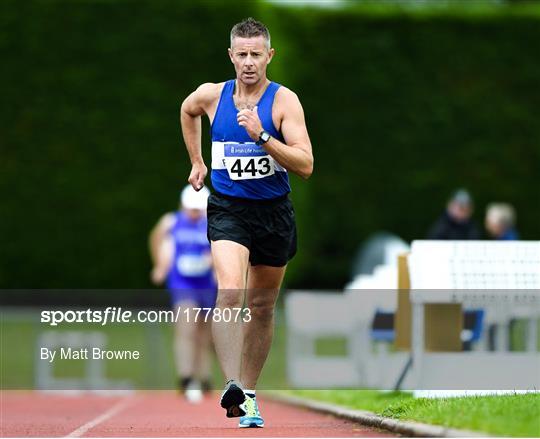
point(181, 256)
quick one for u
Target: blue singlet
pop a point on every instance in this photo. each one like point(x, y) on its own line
point(241, 168)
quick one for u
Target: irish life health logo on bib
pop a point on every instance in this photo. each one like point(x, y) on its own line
point(246, 161)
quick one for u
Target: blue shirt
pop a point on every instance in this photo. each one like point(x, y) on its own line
point(509, 235)
point(240, 167)
point(192, 266)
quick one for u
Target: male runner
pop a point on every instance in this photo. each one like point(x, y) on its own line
point(181, 256)
point(258, 134)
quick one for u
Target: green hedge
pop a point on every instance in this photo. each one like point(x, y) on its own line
point(402, 108)
point(91, 130)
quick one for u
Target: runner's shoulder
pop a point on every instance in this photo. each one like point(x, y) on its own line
point(167, 221)
point(286, 97)
point(286, 102)
point(209, 91)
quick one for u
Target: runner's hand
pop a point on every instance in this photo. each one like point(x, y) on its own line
point(197, 175)
point(158, 275)
point(249, 119)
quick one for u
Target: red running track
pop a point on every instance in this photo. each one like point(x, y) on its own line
point(157, 414)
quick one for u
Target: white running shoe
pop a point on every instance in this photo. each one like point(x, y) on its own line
point(193, 393)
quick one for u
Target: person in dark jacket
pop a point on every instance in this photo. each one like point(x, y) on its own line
point(456, 222)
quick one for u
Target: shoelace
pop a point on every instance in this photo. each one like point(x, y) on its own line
point(252, 410)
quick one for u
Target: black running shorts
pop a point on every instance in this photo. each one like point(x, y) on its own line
point(266, 227)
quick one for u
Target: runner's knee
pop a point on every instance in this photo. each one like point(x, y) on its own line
point(230, 298)
point(185, 329)
point(261, 309)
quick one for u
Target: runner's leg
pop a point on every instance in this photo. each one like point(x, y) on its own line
point(184, 341)
point(262, 292)
point(230, 265)
point(203, 364)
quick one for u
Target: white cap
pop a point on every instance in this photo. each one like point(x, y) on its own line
point(191, 199)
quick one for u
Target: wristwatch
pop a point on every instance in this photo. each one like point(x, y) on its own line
point(263, 138)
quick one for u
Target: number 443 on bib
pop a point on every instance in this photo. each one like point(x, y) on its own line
point(248, 161)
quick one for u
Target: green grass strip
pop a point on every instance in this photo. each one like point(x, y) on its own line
point(516, 415)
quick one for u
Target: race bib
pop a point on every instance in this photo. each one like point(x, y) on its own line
point(193, 265)
point(247, 161)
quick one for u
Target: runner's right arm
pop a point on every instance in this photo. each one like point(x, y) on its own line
point(194, 106)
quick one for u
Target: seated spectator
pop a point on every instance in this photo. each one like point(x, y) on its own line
point(500, 222)
point(456, 222)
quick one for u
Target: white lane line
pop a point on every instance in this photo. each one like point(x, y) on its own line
point(118, 407)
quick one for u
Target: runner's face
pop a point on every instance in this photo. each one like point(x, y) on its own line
point(250, 57)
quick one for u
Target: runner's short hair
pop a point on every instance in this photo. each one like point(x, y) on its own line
point(249, 28)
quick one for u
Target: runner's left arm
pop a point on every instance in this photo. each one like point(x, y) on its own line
point(295, 154)
point(160, 248)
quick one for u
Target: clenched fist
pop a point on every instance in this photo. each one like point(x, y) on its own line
point(197, 175)
point(249, 119)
